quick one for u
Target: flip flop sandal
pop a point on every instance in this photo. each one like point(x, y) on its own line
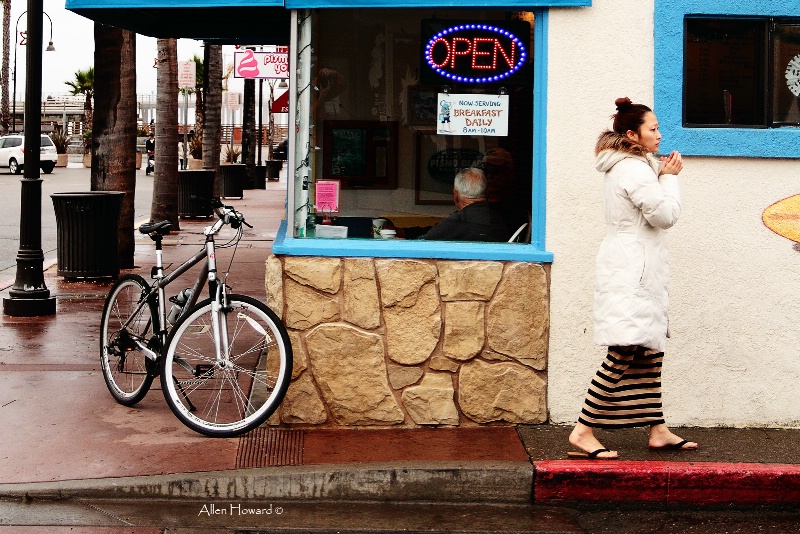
point(674, 447)
point(574, 455)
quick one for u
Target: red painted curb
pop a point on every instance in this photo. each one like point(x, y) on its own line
point(666, 482)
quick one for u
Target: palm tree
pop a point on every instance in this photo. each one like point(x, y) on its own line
point(165, 183)
point(212, 121)
point(199, 110)
point(114, 127)
point(249, 129)
point(4, 119)
point(84, 85)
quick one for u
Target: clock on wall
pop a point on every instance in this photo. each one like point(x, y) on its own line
point(793, 75)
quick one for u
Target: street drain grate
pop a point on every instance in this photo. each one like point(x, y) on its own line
point(266, 447)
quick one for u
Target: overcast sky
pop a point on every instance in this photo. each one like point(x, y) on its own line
point(73, 39)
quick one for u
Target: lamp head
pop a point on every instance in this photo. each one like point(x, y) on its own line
point(283, 84)
point(50, 47)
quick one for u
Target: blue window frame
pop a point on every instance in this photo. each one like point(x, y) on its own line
point(670, 17)
point(286, 244)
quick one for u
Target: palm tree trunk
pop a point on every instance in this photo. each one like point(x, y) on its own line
point(114, 126)
point(249, 130)
point(212, 122)
point(165, 181)
point(4, 118)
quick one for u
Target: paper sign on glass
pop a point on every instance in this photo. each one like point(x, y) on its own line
point(472, 114)
point(327, 196)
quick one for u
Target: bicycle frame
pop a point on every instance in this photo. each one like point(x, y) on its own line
point(208, 273)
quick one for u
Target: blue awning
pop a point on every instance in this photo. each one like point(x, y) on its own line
point(222, 21)
point(253, 21)
point(518, 5)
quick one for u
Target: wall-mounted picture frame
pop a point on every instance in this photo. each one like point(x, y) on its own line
point(439, 158)
point(360, 154)
point(421, 105)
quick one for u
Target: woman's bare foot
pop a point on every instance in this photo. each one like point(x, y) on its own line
point(582, 438)
point(662, 438)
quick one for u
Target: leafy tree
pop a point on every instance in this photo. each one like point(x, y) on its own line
point(83, 84)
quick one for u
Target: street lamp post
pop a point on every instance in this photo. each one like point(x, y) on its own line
point(29, 296)
point(50, 48)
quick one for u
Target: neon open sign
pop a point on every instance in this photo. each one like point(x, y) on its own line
point(475, 53)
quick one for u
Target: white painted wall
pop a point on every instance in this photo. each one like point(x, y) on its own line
point(734, 355)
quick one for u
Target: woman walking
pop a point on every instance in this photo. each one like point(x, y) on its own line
point(642, 200)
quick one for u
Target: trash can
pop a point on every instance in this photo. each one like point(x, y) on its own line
point(232, 177)
point(195, 191)
point(87, 245)
point(256, 177)
point(274, 169)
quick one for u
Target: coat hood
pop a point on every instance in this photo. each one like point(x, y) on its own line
point(611, 148)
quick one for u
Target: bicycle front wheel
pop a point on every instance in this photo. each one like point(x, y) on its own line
point(239, 392)
point(126, 320)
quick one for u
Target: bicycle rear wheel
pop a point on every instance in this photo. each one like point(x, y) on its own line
point(225, 399)
point(127, 371)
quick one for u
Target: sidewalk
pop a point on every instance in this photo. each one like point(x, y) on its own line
point(64, 437)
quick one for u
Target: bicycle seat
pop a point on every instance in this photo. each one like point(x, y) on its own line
point(161, 227)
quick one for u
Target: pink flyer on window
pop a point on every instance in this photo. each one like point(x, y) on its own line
point(327, 199)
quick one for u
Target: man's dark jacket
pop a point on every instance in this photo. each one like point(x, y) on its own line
point(476, 222)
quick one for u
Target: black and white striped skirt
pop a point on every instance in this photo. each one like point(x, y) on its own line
point(626, 391)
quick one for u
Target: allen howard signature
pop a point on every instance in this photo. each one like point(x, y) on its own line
point(238, 509)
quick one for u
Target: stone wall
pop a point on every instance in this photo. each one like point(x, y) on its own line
point(385, 342)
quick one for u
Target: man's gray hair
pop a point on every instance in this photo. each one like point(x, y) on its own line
point(470, 183)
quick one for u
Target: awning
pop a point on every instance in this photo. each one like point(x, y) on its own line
point(281, 104)
point(253, 21)
point(518, 5)
point(222, 21)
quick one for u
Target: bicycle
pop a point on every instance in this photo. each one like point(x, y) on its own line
point(224, 362)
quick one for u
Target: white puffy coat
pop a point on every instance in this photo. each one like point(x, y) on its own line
point(632, 269)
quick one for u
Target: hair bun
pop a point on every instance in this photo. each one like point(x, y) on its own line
point(623, 103)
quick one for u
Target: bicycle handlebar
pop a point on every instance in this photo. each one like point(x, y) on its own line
point(226, 214)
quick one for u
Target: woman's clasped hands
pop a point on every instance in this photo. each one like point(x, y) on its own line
point(672, 164)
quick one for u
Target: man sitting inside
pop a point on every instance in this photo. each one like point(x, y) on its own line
point(474, 220)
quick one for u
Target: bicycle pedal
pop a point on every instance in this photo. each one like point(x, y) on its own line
point(203, 370)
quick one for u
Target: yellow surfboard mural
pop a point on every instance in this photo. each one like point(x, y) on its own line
point(783, 218)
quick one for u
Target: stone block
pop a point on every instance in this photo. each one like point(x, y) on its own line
point(464, 330)
point(349, 367)
point(402, 280)
point(302, 403)
point(401, 376)
point(468, 280)
point(306, 308)
point(431, 402)
point(323, 274)
point(518, 316)
point(503, 391)
point(360, 305)
point(273, 284)
point(412, 332)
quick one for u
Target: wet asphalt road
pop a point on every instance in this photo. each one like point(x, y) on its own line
point(219, 516)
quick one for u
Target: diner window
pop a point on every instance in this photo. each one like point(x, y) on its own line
point(374, 108)
point(741, 72)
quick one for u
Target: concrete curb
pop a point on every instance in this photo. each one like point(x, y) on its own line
point(442, 482)
point(666, 482)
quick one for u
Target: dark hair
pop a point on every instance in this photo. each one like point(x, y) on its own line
point(629, 116)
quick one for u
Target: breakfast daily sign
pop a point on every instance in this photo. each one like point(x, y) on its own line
point(472, 114)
